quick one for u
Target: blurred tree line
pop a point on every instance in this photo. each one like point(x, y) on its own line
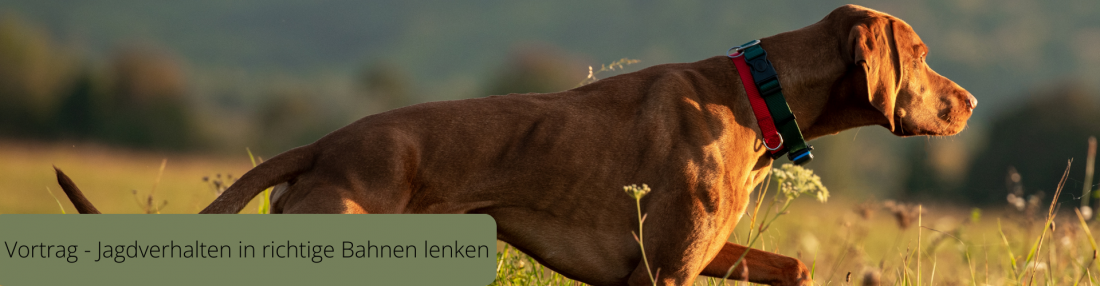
point(138, 99)
point(142, 97)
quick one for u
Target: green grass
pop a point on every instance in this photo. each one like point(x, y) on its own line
point(109, 178)
point(845, 248)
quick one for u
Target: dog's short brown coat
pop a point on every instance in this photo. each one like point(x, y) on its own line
point(550, 168)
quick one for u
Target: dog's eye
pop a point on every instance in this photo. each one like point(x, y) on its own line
point(922, 57)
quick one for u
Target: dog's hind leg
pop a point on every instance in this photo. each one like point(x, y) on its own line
point(758, 267)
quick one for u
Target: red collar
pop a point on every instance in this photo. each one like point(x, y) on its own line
point(773, 141)
point(778, 128)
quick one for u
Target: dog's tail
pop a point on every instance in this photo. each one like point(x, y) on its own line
point(278, 169)
point(75, 195)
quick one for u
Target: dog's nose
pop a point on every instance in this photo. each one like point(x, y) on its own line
point(971, 101)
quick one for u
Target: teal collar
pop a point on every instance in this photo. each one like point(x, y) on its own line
point(766, 81)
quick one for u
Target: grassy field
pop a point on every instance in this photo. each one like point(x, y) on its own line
point(866, 242)
point(846, 241)
point(109, 178)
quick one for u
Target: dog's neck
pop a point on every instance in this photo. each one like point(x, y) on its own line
point(818, 81)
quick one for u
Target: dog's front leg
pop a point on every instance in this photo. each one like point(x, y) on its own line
point(758, 267)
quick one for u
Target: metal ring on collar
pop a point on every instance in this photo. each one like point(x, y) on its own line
point(736, 51)
point(780, 145)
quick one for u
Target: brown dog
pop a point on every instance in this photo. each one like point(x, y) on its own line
point(550, 168)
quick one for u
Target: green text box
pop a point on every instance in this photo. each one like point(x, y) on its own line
point(374, 249)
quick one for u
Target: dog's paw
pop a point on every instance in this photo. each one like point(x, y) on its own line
point(799, 274)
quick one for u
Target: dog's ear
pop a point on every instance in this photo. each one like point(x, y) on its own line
point(874, 49)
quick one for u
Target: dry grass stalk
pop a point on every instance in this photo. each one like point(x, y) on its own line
point(1033, 255)
point(904, 214)
point(1090, 161)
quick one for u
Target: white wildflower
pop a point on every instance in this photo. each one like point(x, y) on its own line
point(636, 192)
point(795, 181)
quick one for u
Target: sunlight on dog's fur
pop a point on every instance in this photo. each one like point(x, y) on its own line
point(550, 167)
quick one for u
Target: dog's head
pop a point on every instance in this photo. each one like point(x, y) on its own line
point(914, 99)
